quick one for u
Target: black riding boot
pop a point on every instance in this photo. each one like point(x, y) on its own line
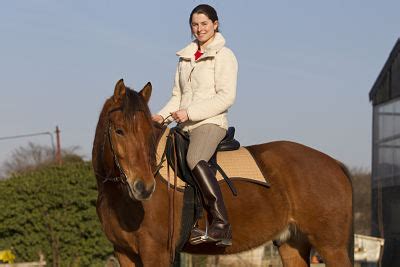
point(220, 229)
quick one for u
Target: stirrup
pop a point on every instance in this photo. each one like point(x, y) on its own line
point(203, 237)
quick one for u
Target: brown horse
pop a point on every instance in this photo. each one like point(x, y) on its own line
point(309, 203)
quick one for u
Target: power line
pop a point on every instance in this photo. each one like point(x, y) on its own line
point(56, 151)
point(24, 135)
point(30, 135)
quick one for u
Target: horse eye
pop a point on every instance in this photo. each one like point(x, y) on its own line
point(119, 132)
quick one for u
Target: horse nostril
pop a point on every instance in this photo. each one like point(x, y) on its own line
point(139, 186)
point(140, 191)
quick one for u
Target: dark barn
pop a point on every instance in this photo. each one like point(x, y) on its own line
point(385, 98)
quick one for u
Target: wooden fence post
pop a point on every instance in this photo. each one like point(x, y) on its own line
point(58, 148)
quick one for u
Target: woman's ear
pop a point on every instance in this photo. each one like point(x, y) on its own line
point(216, 24)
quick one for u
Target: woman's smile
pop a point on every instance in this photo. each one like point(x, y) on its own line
point(203, 29)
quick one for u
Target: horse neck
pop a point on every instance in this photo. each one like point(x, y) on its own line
point(168, 211)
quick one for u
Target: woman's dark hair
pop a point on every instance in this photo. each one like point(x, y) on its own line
point(207, 10)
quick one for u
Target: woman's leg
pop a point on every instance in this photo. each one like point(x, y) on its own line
point(203, 143)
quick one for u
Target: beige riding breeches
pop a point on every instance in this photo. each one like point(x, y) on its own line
point(203, 143)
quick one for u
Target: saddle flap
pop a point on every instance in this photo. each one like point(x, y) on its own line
point(180, 139)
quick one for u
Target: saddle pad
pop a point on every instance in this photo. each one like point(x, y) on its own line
point(236, 163)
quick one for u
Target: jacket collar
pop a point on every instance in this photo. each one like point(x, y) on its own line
point(210, 51)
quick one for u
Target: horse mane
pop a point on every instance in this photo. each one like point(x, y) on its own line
point(132, 104)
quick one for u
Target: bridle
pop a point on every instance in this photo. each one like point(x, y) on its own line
point(122, 178)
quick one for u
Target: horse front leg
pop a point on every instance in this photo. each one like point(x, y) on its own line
point(127, 259)
point(154, 254)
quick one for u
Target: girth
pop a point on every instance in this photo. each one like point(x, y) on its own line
point(181, 142)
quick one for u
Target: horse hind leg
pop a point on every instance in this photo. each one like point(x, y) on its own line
point(335, 257)
point(295, 251)
point(335, 246)
point(335, 250)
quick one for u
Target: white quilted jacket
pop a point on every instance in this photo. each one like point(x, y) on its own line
point(206, 87)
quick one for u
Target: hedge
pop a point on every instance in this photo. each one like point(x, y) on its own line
point(52, 211)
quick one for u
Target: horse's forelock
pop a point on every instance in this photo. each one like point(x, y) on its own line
point(133, 104)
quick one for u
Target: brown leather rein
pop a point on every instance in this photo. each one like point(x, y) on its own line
point(171, 192)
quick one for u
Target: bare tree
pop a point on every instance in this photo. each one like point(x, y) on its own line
point(34, 156)
point(362, 201)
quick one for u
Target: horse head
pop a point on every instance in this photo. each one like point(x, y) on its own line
point(124, 147)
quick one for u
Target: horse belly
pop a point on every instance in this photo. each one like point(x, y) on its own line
point(257, 215)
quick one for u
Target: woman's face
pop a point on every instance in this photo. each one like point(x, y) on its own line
point(203, 28)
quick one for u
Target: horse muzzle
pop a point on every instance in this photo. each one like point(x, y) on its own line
point(138, 190)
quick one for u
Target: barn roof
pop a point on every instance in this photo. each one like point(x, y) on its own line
point(387, 85)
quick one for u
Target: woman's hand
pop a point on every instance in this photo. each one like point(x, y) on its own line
point(180, 116)
point(157, 118)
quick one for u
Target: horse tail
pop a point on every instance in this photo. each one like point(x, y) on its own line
point(350, 248)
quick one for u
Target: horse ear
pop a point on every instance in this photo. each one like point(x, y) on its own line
point(146, 92)
point(119, 91)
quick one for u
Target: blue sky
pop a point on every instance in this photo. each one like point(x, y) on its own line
point(305, 67)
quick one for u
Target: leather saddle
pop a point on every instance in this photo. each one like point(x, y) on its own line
point(177, 146)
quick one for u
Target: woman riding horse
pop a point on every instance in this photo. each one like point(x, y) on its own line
point(309, 203)
point(204, 89)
